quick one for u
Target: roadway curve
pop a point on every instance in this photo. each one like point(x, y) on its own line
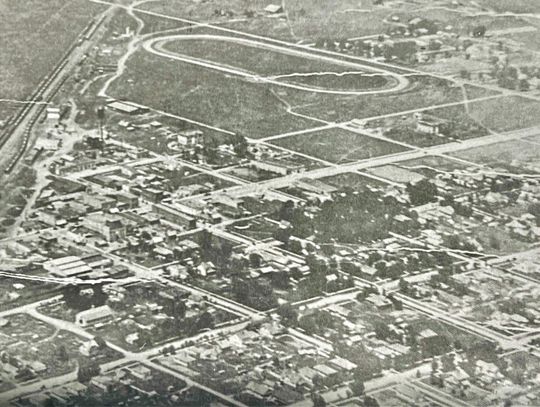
point(156, 46)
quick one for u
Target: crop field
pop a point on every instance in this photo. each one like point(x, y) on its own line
point(40, 32)
point(337, 145)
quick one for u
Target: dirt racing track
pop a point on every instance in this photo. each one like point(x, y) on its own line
point(394, 82)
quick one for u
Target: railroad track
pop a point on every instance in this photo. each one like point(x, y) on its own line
point(43, 94)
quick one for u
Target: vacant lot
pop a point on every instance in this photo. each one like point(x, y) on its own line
point(34, 36)
point(338, 146)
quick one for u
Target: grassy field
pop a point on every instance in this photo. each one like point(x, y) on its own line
point(515, 6)
point(422, 93)
point(507, 113)
point(338, 146)
point(206, 96)
point(439, 163)
point(34, 36)
point(306, 19)
point(274, 63)
point(514, 155)
point(248, 57)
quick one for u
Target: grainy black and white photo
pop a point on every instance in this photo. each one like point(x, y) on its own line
point(269, 203)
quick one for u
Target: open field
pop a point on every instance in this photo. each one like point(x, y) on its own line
point(515, 6)
point(440, 163)
point(206, 96)
point(498, 114)
point(40, 32)
point(338, 146)
point(422, 93)
point(281, 65)
point(155, 24)
point(305, 19)
point(514, 154)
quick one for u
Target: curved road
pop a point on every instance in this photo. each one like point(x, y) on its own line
point(156, 46)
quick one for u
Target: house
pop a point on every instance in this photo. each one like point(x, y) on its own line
point(89, 348)
point(379, 301)
point(281, 167)
point(140, 372)
point(103, 383)
point(325, 370)
point(273, 9)
point(286, 395)
point(259, 389)
point(343, 364)
point(37, 366)
point(93, 315)
point(190, 137)
point(428, 125)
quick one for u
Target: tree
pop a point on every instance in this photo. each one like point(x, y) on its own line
point(62, 353)
point(286, 211)
point(85, 373)
point(464, 74)
point(371, 402)
point(479, 31)
point(205, 320)
point(403, 285)
point(422, 192)
point(524, 85)
point(100, 341)
point(318, 400)
point(288, 314)
point(255, 260)
point(240, 147)
point(381, 330)
point(358, 388)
